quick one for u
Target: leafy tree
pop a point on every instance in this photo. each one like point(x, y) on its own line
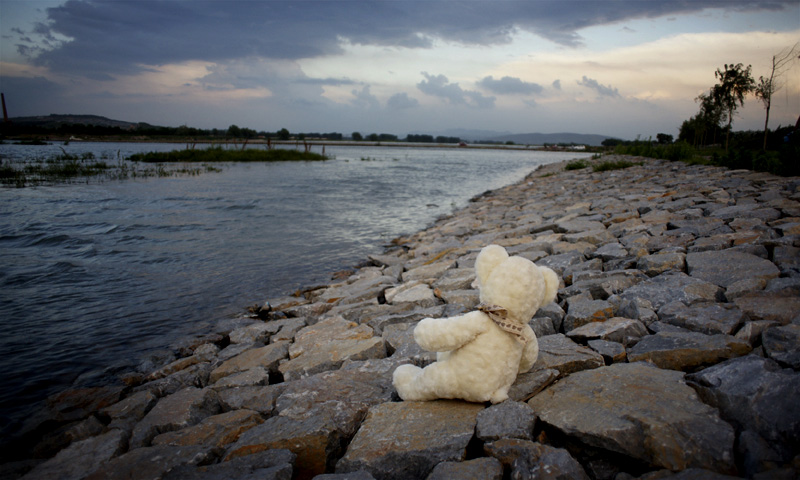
point(703, 128)
point(357, 136)
point(767, 87)
point(735, 82)
point(234, 131)
point(283, 134)
point(664, 139)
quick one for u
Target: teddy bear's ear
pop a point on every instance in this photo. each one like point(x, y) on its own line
point(490, 257)
point(551, 285)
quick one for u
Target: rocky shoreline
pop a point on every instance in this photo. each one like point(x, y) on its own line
point(672, 352)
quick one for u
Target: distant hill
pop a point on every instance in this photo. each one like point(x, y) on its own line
point(54, 121)
point(551, 138)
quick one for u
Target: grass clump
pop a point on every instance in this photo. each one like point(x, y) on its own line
point(218, 154)
point(576, 165)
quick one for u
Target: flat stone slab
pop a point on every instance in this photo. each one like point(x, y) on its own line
point(709, 318)
point(673, 286)
point(408, 439)
point(727, 267)
point(687, 350)
point(766, 306)
point(558, 352)
point(640, 411)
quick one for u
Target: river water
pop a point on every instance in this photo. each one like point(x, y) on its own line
point(97, 276)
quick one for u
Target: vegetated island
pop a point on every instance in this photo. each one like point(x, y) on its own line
point(218, 154)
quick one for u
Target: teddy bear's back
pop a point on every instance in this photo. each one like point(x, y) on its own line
point(485, 364)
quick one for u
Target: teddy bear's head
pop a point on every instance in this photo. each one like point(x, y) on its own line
point(514, 283)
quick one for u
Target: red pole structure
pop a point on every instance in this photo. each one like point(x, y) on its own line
point(5, 113)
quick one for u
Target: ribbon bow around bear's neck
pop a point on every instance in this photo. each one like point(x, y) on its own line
point(499, 315)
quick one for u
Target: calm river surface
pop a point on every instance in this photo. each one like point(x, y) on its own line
point(95, 277)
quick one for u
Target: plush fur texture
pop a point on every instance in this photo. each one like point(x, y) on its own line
point(476, 360)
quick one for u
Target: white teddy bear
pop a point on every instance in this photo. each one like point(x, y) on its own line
point(480, 353)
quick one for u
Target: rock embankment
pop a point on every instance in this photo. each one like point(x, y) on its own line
point(672, 352)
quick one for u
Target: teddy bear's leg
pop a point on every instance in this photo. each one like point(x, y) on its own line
point(500, 395)
point(411, 383)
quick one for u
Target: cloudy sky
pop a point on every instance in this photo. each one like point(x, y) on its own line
point(622, 68)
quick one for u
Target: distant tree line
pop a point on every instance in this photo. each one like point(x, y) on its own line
point(431, 139)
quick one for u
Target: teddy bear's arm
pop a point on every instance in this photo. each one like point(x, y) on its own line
point(446, 334)
point(531, 351)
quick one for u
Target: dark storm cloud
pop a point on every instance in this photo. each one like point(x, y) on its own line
point(111, 37)
point(510, 86)
point(440, 86)
point(603, 90)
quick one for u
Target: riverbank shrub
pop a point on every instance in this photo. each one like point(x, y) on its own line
point(218, 154)
point(673, 151)
point(576, 164)
point(613, 165)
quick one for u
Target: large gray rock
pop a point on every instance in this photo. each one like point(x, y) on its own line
point(657, 264)
point(331, 357)
point(687, 350)
point(754, 393)
point(727, 267)
point(484, 468)
point(529, 384)
point(532, 460)
point(673, 286)
point(621, 330)
point(216, 430)
point(400, 338)
point(603, 284)
point(407, 439)
point(126, 413)
point(583, 310)
point(151, 462)
point(268, 465)
point(327, 344)
point(315, 440)
point(342, 397)
point(640, 411)
point(179, 410)
point(558, 352)
point(709, 318)
point(266, 357)
point(508, 419)
point(80, 459)
point(782, 344)
point(259, 399)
